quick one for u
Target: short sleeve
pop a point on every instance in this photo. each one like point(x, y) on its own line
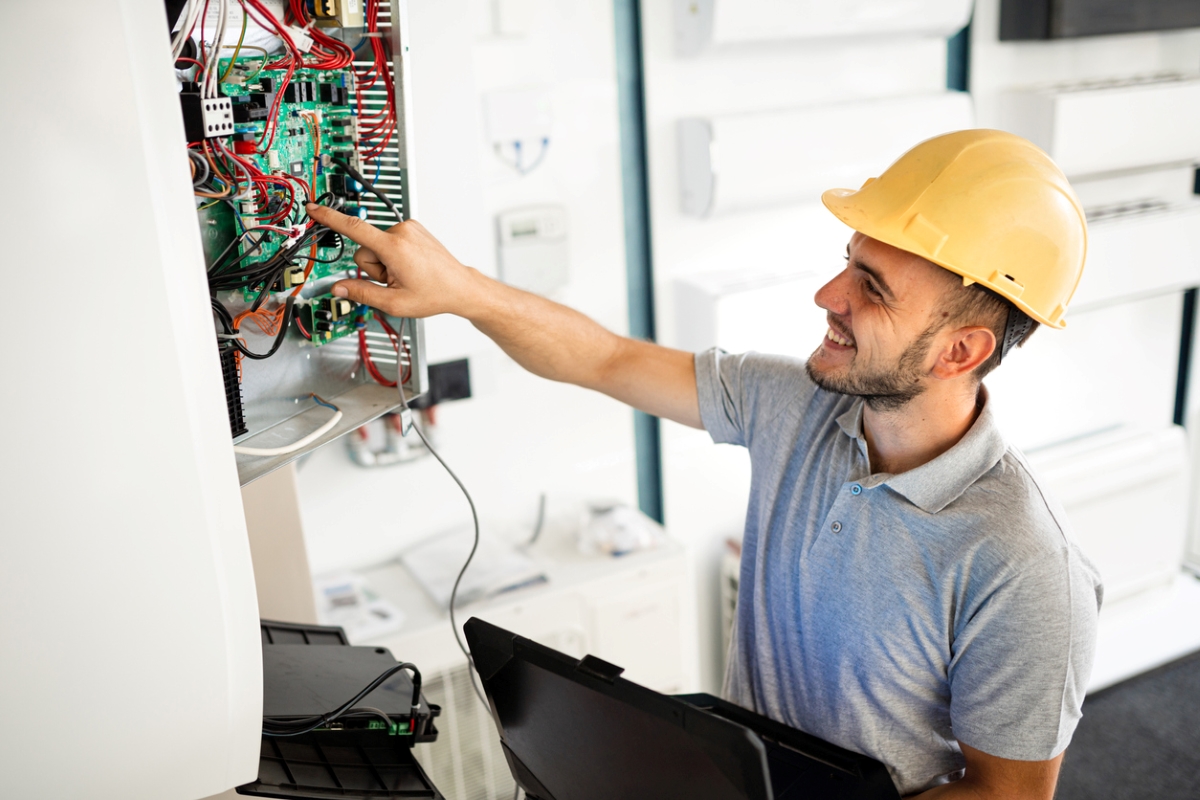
point(1020, 665)
point(740, 393)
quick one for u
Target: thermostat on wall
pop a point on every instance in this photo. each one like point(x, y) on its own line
point(532, 248)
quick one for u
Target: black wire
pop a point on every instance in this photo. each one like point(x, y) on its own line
point(283, 329)
point(276, 726)
point(223, 315)
point(358, 176)
point(227, 328)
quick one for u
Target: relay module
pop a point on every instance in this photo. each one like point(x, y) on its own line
point(285, 104)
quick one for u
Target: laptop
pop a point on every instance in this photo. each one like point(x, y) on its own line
point(574, 729)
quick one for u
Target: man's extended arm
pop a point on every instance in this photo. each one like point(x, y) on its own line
point(548, 339)
point(992, 778)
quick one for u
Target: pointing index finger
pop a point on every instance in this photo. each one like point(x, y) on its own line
point(353, 228)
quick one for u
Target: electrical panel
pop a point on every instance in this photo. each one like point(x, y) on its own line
point(286, 103)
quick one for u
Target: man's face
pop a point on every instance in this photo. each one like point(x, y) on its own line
point(883, 315)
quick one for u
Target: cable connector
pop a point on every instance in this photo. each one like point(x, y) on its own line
point(300, 38)
point(406, 418)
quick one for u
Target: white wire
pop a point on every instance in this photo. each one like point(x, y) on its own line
point(188, 16)
point(213, 62)
point(294, 446)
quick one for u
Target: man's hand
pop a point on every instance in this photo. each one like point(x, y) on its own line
point(992, 778)
point(422, 278)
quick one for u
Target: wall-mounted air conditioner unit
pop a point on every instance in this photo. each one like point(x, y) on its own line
point(1108, 126)
point(700, 24)
point(1116, 365)
point(1139, 249)
point(740, 310)
point(1125, 492)
point(1191, 558)
point(742, 161)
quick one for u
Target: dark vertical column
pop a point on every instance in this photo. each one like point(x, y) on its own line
point(635, 194)
point(958, 60)
point(1185, 356)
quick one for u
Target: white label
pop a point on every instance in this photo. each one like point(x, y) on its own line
point(256, 35)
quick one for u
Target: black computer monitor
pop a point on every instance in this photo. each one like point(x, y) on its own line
point(574, 730)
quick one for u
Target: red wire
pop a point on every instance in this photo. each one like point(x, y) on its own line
point(376, 129)
point(365, 353)
point(194, 61)
point(300, 325)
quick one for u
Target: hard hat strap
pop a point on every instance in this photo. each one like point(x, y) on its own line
point(1015, 328)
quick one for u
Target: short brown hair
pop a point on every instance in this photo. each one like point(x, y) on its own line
point(978, 305)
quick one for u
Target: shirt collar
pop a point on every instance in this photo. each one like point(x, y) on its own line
point(938, 483)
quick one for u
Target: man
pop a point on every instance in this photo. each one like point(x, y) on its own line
point(907, 588)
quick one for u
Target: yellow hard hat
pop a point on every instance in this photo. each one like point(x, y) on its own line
point(986, 205)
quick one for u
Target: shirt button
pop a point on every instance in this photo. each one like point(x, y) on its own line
point(856, 489)
point(836, 527)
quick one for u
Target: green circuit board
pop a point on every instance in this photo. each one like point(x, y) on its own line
point(326, 318)
point(315, 106)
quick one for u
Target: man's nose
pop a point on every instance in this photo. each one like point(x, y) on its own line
point(834, 296)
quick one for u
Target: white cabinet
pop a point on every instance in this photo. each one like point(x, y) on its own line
point(636, 611)
point(130, 617)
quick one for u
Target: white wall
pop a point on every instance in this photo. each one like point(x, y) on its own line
point(705, 485)
point(519, 435)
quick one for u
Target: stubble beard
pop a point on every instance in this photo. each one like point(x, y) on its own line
point(886, 389)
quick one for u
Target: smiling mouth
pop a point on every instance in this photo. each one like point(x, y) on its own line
point(837, 338)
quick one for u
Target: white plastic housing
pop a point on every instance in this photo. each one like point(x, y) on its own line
point(1140, 254)
point(740, 310)
point(1094, 127)
point(743, 161)
point(700, 24)
point(1114, 365)
point(131, 656)
point(1125, 492)
point(532, 248)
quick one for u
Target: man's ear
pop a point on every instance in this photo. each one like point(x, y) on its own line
point(963, 350)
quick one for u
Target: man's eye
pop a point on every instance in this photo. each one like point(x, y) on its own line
point(871, 290)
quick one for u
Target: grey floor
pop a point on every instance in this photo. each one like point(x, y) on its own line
point(1139, 740)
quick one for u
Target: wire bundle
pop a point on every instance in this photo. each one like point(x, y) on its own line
point(377, 129)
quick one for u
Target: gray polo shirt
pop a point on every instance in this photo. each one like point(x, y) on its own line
point(897, 614)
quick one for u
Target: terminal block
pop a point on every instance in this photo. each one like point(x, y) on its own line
point(206, 117)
